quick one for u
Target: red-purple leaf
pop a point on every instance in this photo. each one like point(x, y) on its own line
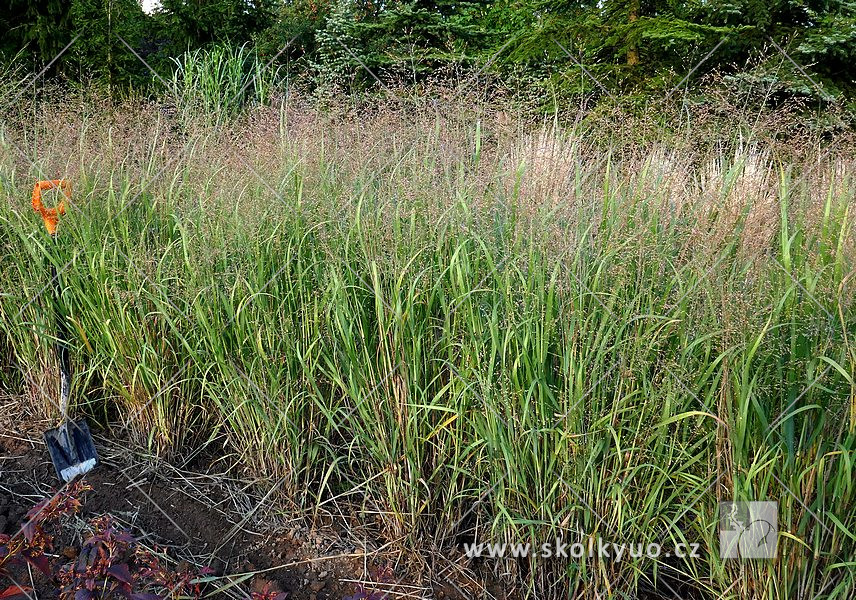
point(121, 572)
point(13, 591)
point(83, 595)
point(29, 530)
point(125, 536)
point(145, 596)
point(37, 509)
point(40, 562)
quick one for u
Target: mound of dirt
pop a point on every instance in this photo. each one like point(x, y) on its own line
point(196, 522)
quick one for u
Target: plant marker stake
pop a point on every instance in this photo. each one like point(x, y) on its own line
point(70, 445)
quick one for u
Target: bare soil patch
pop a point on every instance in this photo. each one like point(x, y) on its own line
point(197, 517)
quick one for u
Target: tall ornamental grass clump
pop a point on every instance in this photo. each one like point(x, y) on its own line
point(216, 83)
point(463, 333)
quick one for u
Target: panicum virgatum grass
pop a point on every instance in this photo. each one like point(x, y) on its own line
point(463, 327)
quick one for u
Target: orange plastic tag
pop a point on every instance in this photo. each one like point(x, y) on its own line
point(51, 215)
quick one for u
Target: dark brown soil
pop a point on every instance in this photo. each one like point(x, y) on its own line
point(192, 515)
point(308, 563)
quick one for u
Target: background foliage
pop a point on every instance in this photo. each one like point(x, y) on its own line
point(628, 46)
